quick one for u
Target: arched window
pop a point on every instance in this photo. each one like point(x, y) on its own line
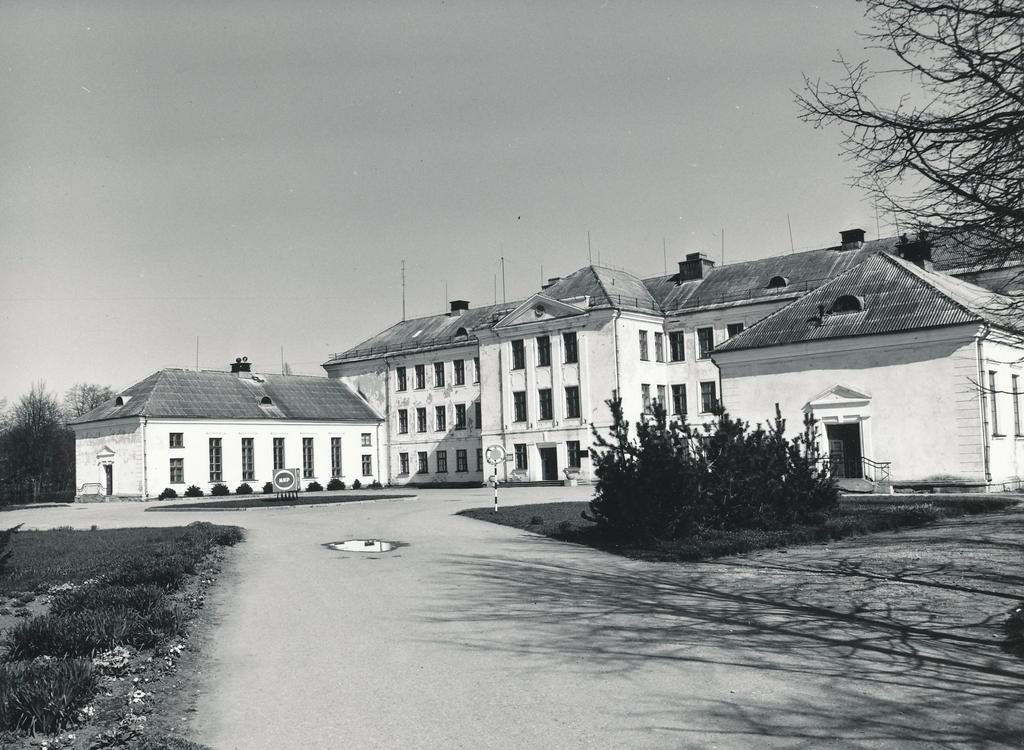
point(847, 303)
point(119, 401)
point(461, 332)
point(778, 282)
point(265, 401)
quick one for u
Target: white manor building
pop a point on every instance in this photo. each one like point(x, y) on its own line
point(533, 376)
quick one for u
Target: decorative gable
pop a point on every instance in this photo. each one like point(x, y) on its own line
point(837, 397)
point(540, 308)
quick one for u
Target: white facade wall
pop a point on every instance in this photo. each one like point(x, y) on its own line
point(139, 473)
point(1002, 359)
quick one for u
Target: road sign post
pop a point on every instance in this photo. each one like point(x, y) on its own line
point(496, 454)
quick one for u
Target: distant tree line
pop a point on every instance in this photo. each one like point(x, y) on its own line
point(37, 448)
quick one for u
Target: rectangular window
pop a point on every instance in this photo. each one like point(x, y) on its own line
point(366, 439)
point(460, 416)
point(734, 329)
point(479, 459)
point(400, 375)
point(679, 400)
point(248, 459)
point(520, 450)
point(519, 406)
point(403, 421)
point(459, 368)
point(440, 418)
point(705, 342)
point(476, 369)
point(544, 400)
point(643, 346)
point(177, 440)
point(569, 347)
point(421, 463)
point(1016, 405)
point(439, 374)
point(278, 453)
point(645, 397)
point(403, 463)
point(336, 457)
point(572, 402)
point(177, 471)
point(572, 452)
point(659, 346)
point(477, 415)
point(421, 419)
point(442, 462)
point(543, 351)
point(677, 346)
point(307, 458)
point(367, 465)
point(995, 408)
point(708, 398)
point(216, 463)
point(661, 396)
point(518, 355)
point(461, 460)
point(421, 376)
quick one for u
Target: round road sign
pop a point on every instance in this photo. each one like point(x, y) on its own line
point(495, 454)
point(284, 480)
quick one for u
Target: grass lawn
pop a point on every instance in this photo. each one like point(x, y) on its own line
point(94, 626)
point(269, 501)
point(855, 515)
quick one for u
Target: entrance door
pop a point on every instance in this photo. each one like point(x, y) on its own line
point(844, 449)
point(548, 463)
point(108, 470)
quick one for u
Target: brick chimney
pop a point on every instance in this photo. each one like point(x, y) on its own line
point(917, 251)
point(853, 239)
point(459, 306)
point(695, 266)
point(551, 282)
point(241, 367)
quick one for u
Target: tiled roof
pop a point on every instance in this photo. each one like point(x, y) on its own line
point(211, 394)
point(897, 296)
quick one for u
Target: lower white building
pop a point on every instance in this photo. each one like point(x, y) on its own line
point(178, 428)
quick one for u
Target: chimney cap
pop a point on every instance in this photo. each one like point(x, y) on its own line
point(459, 304)
point(851, 236)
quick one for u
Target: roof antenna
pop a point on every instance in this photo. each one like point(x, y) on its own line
point(792, 247)
point(664, 255)
point(723, 246)
point(197, 354)
point(590, 256)
point(444, 305)
point(403, 299)
point(878, 226)
point(504, 299)
point(282, 345)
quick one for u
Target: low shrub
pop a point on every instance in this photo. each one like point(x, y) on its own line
point(220, 490)
point(1013, 626)
point(356, 484)
point(268, 488)
point(244, 489)
point(5, 545)
point(44, 696)
point(139, 598)
point(89, 632)
point(193, 491)
point(164, 571)
point(376, 485)
point(336, 484)
point(314, 487)
point(167, 494)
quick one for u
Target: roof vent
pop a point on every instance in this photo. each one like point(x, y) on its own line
point(460, 332)
point(695, 266)
point(265, 401)
point(918, 251)
point(847, 303)
point(853, 239)
point(777, 282)
point(459, 306)
point(241, 366)
point(121, 400)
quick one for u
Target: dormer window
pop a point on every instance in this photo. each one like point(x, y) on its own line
point(121, 400)
point(777, 282)
point(265, 401)
point(847, 303)
point(459, 332)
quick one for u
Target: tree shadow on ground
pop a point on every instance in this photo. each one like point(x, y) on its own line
point(856, 645)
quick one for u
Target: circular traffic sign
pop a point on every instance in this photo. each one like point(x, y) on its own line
point(284, 480)
point(495, 454)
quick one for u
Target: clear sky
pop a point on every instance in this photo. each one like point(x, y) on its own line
point(254, 173)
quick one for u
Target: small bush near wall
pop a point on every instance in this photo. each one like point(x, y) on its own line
point(243, 489)
point(167, 494)
point(336, 484)
point(193, 491)
point(376, 485)
point(219, 490)
point(357, 485)
point(268, 488)
point(314, 487)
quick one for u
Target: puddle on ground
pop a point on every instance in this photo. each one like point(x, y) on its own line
point(363, 545)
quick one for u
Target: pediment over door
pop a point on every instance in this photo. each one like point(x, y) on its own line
point(538, 309)
point(104, 454)
point(838, 397)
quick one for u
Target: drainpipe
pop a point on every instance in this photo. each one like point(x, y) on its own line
point(986, 449)
point(387, 421)
point(615, 340)
point(145, 461)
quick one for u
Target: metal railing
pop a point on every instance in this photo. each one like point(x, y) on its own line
point(849, 467)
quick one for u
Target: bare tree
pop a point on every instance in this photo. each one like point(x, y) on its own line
point(949, 153)
point(36, 448)
point(84, 397)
